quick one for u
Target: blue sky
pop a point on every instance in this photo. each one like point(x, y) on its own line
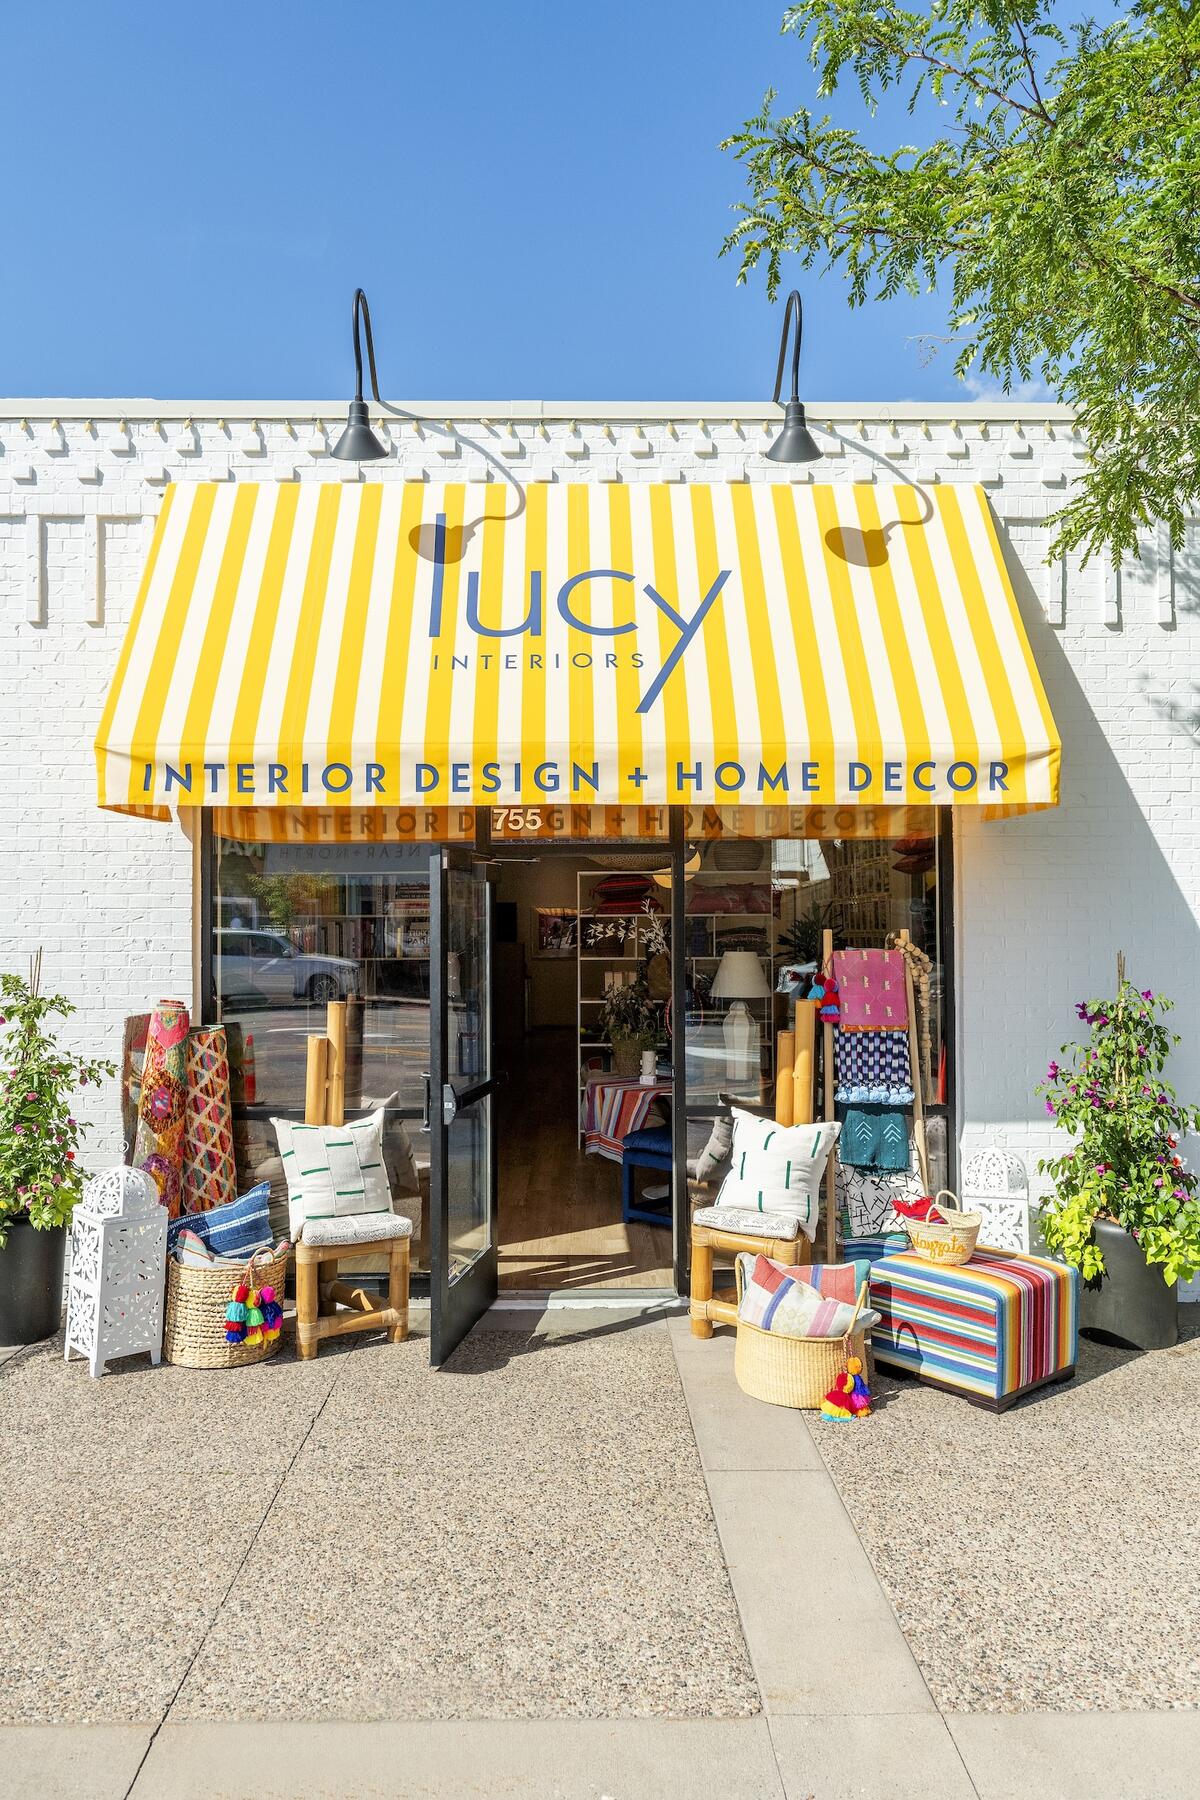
point(531, 195)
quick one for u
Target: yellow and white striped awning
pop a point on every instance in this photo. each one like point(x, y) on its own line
point(459, 644)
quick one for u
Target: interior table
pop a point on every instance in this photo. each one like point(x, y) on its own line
point(615, 1105)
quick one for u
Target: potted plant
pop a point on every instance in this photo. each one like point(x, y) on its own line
point(1125, 1211)
point(630, 1022)
point(40, 1176)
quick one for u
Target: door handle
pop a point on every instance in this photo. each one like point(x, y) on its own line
point(427, 1103)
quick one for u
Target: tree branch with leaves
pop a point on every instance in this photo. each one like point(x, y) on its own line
point(1061, 201)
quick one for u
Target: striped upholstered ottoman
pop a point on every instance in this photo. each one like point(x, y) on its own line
point(992, 1330)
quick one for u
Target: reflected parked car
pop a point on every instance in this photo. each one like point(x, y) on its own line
point(265, 968)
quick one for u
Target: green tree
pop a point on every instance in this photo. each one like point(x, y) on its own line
point(1061, 199)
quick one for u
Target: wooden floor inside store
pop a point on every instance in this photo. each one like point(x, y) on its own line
point(560, 1211)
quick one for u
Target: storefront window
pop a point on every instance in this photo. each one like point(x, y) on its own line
point(295, 925)
point(757, 915)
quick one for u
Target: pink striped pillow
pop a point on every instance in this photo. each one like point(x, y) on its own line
point(776, 1297)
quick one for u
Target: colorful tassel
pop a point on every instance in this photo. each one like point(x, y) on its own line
point(241, 1293)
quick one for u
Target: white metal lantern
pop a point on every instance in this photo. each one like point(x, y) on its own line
point(996, 1184)
point(118, 1269)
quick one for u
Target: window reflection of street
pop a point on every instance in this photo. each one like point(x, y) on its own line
point(395, 1050)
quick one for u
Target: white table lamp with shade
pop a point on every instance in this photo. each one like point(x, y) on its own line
point(739, 978)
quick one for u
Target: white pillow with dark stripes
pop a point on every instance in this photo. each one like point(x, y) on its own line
point(333, 1171)
point(778, 1168)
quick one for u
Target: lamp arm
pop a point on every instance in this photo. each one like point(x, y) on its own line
point(361, 307)
point(793, 303)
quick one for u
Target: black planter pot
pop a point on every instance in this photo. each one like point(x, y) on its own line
point(1131, 1301)
point(31, 1283)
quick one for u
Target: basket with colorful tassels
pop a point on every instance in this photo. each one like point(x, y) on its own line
point(223, 1316)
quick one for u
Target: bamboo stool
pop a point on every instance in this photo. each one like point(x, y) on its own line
point(706, 1239)
point(317, 1301)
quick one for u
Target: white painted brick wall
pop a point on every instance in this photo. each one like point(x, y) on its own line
point(1044, 902)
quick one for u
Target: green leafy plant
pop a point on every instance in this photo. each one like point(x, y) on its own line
point(40, 1176)
point(628, 1012)
point(801, 941)
point(1111, 1096)
point(1053, 186)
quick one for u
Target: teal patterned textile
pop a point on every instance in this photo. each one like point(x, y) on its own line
point(874, 1137)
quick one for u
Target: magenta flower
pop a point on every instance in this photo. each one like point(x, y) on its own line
point(1103, 1168)
point(1052, 1072)
point(18, 1128)
point(70, 1121)
point(1081, 1011)
point(31, 1095)
point(1142, 1050)
point(1147, 993)
point(1049, 1106)
point(1099, 1019)
point(56, 1180)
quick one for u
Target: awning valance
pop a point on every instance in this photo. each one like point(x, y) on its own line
point(384, 644)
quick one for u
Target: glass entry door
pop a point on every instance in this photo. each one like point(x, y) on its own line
point(462, 1102)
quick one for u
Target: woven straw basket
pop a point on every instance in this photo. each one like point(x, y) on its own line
point(951, 1244)
point(794, 1371)
point(194, 1317)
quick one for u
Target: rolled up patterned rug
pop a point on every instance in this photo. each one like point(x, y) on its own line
point(209, 1173)
point(162, 1103)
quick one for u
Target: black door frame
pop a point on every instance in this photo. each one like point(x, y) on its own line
point(456, 1306)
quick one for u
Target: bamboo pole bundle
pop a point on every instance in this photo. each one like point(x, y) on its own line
point(335, 1030)
point(785, 1056)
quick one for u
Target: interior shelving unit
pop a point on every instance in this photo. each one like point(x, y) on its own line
point(612, 942)
point(390, 928)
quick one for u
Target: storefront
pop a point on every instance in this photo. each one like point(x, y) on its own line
point(480, 756)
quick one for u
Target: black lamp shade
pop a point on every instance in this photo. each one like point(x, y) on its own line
point(795, 443)
point(358, 442)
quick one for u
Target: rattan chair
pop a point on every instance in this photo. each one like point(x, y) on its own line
point(783, 1242)
point(317, 1301)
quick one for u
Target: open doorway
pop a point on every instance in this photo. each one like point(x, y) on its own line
point(561, 1223)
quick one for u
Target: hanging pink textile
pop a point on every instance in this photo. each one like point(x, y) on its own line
point(871, 990)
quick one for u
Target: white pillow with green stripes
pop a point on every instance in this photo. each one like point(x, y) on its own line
point(333, 1171)
point(777, 1168)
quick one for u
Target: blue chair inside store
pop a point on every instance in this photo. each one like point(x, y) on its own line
point(649, 1149)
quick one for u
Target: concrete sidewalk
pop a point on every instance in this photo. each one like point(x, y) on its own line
point(845, 1710)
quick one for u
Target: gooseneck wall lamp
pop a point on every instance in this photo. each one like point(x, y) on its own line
point(358, 442)
point(795, 443)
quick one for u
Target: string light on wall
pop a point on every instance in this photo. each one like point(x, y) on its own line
point(576, 445)
point(641, 445)
point(449, 445)
point(704, 444)
point(510, 443)
point(317, 444)
point(251, 442)
point(957, 445)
